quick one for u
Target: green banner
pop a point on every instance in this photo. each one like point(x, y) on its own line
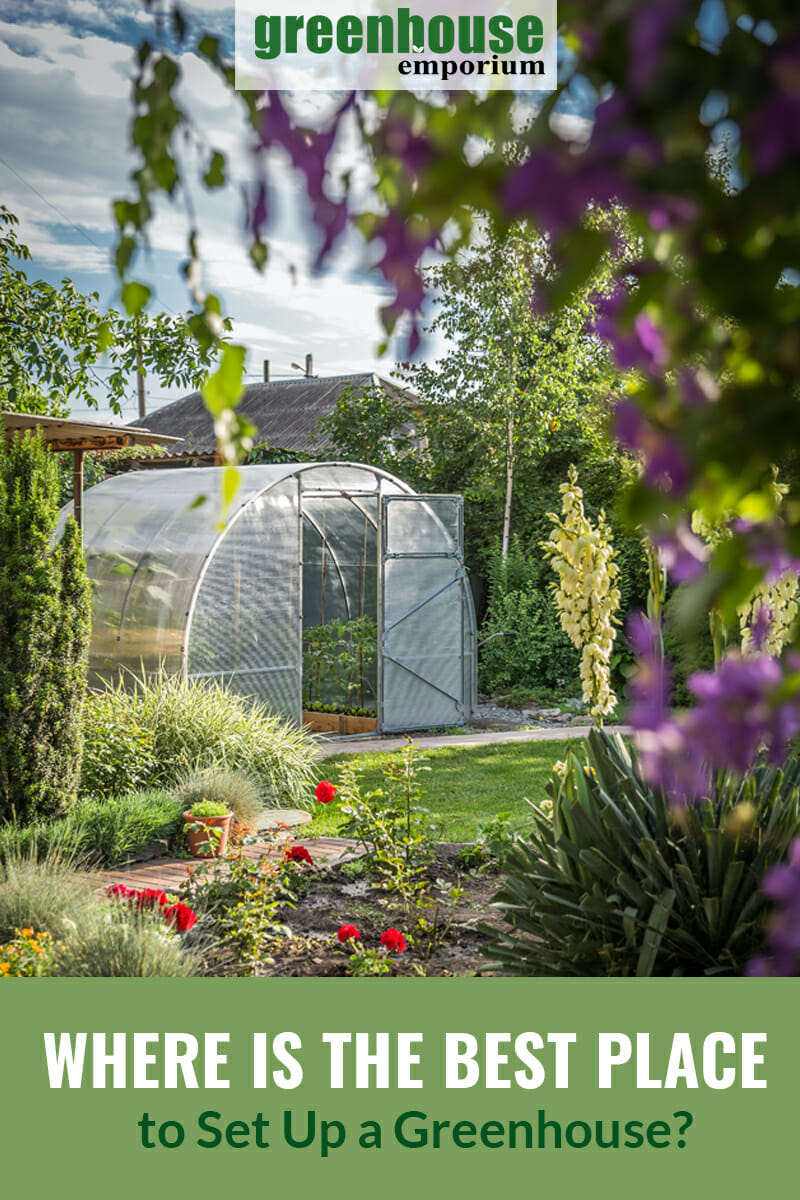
point(400, 1087)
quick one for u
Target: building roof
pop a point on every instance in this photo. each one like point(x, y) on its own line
point(66, 433)
point(284, 412)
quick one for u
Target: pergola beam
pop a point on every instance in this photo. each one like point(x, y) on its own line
point(67, 435)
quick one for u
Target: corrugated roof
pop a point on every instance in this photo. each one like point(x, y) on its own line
point(285, 412)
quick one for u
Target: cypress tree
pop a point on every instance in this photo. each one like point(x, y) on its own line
point(44, 634)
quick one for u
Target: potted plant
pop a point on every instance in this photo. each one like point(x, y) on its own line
point(207, 825)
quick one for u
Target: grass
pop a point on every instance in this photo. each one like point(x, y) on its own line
point(153, 731)
point(43, 895)
point(464, 787)
point(104, 832)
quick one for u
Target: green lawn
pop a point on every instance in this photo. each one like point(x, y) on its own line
point(464, 786)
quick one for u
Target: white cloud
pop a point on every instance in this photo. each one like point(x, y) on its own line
point(65, 131)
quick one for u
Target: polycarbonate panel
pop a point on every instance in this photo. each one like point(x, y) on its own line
point(339, 477)
point(432, 528)
point(427, 633)
point(146, 542)
point(245, 625)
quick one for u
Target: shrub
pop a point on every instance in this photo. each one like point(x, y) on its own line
point(42, 895)
point(688, 645)
point(538, 654)
point(119, 749)
point(236, 791)
point(189, 726)
point(104, 832)
point(44, 633)
point(111, 941)
point(620, 884)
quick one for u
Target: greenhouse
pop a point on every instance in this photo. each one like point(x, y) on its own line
point(327, 590)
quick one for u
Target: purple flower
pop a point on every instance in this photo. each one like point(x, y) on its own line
point(682, 554)
point(739, 711)
point(309, 152)
point(782, 885)
point(638, 346)
point(396, 138)
point(773, 130)
point(403, 248)
point(664, 463)
point(650, 28)
point(557, 185)
point(697, 387)
point(766, 547)
point(759, 625)
point(664, 757)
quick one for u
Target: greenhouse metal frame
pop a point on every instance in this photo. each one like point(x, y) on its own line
point(340, 559)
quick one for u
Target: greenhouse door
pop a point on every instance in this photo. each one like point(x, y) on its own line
point(425, 635)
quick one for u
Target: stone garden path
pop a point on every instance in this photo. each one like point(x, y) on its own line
point(170, 874)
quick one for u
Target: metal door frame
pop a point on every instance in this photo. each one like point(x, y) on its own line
point(460, 579)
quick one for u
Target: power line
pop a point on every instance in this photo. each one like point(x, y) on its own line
point(68, 220)
point(50, 204)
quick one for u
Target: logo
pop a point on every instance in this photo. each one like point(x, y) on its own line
point(474, 45)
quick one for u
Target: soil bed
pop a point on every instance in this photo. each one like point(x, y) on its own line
point(348, 893)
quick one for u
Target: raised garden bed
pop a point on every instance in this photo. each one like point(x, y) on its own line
point(340, 723)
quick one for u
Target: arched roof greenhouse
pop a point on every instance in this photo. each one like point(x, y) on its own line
point(329, 586)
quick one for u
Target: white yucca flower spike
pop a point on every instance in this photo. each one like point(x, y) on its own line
point(586, 595)
point(781, 600)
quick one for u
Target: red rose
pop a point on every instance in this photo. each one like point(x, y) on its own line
point(149, 898)
point(298, 854)
point(118, 891)
point(180, 915)
point(325, 792)
point(346, 932)
point(393, 939)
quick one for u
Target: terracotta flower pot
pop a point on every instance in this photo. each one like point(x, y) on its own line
point(201, 845)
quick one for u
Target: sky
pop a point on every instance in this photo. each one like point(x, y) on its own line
point(65, 72)
point(65, 69)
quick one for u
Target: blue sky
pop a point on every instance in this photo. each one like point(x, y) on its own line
point(65, 67)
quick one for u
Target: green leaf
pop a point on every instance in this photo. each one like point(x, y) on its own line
point(134, 297)
point(215, 175)
point(223, 389)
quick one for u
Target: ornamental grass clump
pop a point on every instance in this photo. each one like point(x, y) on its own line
point(182, 726)
point(99, 831)
point(586, 595)
point(124, 942)
point(236, 791)
point(618, 882)
point(47, 895)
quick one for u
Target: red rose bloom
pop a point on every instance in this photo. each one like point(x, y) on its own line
point(325, 791)
point(149, 898)
point(180, 915)
point(393, 939)
point(346, 932)
point(298, 854)
point(118, 891)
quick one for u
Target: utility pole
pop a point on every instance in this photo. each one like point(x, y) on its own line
point(140, 373)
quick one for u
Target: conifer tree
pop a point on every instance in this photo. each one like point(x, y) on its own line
point(44, 633)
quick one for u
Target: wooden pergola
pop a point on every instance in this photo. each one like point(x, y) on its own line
point(65, 434)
